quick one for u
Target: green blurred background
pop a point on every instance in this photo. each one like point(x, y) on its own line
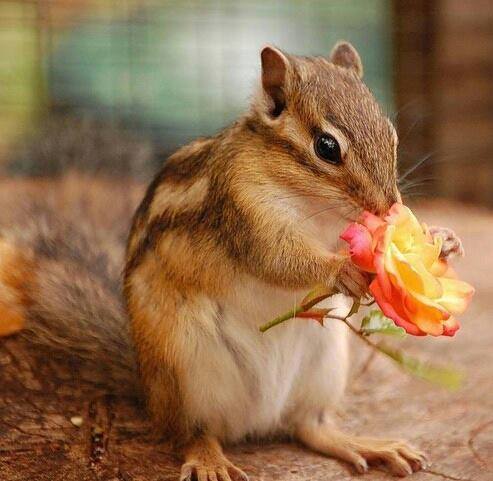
point(167, 71)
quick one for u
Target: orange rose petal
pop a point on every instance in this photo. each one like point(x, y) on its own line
point(429, 319)
point(413, 286)
point(416, 300)
point(382, 273)
point(450, 327)
point(389, 308)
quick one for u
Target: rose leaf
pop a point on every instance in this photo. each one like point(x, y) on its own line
point(376, 323)
point(446, 377)
point(318, 294)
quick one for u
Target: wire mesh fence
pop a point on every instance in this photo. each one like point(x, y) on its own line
point(171, 70)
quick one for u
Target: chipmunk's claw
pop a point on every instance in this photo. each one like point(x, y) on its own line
point(217, 472)
point(205, 461)
point(360, 465)
point(399, 458)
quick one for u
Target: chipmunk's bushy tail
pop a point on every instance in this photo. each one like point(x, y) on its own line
point(61, 256)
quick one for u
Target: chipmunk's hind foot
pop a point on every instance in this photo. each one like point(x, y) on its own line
point(399, 457)
point(205, 461)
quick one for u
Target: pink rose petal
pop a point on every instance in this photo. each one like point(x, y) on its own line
point(360, 246)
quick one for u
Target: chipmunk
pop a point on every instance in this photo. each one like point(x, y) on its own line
point(235, 229)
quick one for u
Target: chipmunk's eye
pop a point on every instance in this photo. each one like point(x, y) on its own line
point(327, 148)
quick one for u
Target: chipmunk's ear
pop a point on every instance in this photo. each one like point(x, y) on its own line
point(345, 55)
point(274, 71)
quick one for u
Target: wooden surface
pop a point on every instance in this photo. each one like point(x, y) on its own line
point(38, 441)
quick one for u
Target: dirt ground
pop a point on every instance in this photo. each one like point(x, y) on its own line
point(38, 441)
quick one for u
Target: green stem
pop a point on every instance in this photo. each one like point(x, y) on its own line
point(445, 377)
point(304, 308)
point(284, 317)
point(358, 332)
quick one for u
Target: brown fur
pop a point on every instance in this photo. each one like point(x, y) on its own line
point(214, 212)
point(224, 225)
point(14, 270)
point(61, 254)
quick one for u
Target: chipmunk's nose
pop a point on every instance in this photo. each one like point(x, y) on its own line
point(387, 200)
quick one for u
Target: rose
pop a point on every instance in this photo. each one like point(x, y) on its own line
point(412, 285)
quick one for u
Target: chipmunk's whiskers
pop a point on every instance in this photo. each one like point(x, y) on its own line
point(415, 166)
point(324, 210)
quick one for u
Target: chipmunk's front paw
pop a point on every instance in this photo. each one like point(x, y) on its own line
point(351, 280)
point(451, 244)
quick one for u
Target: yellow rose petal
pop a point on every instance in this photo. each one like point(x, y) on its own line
point(430, 252)
point(440, 268)
point(418, 288)
point(456, 295)
point(408, 231)
point(414, 276)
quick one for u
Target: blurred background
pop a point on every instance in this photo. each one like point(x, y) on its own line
point(118, 84)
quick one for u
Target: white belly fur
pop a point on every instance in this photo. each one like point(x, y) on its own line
point(241, 382)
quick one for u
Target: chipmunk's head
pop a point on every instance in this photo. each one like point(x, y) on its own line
point(324, 134)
